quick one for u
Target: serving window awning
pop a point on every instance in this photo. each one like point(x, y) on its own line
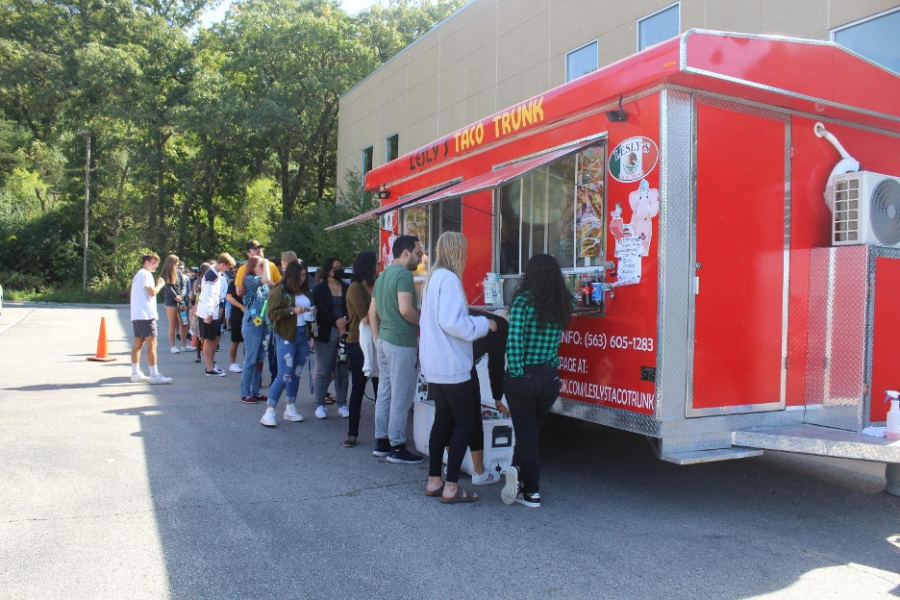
point(404, 200)
point(500, 175)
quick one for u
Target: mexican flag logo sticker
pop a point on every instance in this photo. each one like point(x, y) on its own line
point(633, 159)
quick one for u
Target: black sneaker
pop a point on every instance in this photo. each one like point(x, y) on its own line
point(529, 500)
point(382, 448)
point(350, 442)
point(401, 456)
point(216, 372)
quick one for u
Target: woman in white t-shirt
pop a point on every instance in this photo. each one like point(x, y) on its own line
point(289, 303)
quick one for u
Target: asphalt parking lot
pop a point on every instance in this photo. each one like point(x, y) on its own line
point(116, 490)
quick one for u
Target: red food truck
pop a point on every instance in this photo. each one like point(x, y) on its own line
point(726, 208)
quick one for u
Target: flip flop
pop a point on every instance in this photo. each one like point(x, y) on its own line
point(435, 493)
point(459, 498)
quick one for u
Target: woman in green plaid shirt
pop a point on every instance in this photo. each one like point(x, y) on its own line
point(541, 309)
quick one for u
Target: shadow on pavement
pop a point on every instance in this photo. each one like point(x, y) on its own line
point(50, 387)
point(246, 511)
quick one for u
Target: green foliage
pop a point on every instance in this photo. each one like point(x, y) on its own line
point(197, 143)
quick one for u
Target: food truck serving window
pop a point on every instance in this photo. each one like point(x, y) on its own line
point(429, 222)
point(555, 209)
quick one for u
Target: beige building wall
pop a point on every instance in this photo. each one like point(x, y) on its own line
point(492, 54)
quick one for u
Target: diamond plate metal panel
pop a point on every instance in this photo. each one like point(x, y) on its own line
point(836, 387)
point(675, 267)
point(605, 415)
point(799, 319)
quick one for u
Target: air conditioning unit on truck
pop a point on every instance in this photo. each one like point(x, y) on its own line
point(736, 311)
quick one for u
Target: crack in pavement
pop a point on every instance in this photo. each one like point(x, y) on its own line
point(16, 322)
point(160, 509)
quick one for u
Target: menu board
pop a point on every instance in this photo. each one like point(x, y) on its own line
point(591, 196)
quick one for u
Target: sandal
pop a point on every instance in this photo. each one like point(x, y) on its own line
point(435, 493)
point(460, 497)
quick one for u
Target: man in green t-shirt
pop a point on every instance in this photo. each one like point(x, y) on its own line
point(394, 320)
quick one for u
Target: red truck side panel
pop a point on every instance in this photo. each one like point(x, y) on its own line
point(608, 360)
point(885, 350)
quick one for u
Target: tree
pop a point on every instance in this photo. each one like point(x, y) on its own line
point(291, 62)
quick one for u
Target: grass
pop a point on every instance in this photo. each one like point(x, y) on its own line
point(66, 296)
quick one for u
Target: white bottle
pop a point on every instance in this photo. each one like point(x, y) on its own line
point(488, 290)
point(893, 416)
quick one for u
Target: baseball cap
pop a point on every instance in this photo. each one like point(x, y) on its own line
point(253, 245)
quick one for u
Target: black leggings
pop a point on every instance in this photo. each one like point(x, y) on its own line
point(453, 423)
point(358, 386)
point(530, 399)
point(476, 441)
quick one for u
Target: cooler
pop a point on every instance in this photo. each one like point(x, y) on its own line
point(498, 438)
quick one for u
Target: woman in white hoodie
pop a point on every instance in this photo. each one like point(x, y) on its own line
point(445, 354)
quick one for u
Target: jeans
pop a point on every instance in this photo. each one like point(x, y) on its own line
point(530, 399)
point(326, 365)
point(254, 354)
point(357, 386)
point(453, 424)
point(291, 358)
point(398, 371)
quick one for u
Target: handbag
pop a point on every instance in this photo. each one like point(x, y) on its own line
point(367, 344)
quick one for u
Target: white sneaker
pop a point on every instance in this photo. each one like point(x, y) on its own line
point(486, 477)
point(320, 413)
point(291, 414)
point(174, 350)
point(160, 379)
point(235, 368)
point(268, 418)
point(510, 486)
point(139, 378)
point(344, 412)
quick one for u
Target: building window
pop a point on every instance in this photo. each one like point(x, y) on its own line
point(581, 61)
point(556, 209)
point(391, 147)
point(659, 26)
point(366, 162)
point(874, 38)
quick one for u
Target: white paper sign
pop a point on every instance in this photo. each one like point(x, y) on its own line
point(628, 251)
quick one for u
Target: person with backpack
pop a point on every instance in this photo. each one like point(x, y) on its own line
point(253, 328)
point(286, 311)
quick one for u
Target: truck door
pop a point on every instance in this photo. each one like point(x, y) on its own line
point(740, 241)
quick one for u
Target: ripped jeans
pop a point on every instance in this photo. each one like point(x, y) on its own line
point(291, 358)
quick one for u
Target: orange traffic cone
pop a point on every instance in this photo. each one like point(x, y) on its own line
point(102, 354)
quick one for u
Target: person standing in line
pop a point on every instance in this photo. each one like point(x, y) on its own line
point(445, 353)
point(540, 311)
point(287, 258)
point(235, 324)
point(175, 300)
point(394, 320)
point(208, 311)
point(289, 303)
point(189, 301)
point(254, 329)
point(359, 295)
point(330, 300)
point(143, 320)
point(254, 248)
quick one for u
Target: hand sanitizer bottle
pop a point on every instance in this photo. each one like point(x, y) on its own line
point(893, 416)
